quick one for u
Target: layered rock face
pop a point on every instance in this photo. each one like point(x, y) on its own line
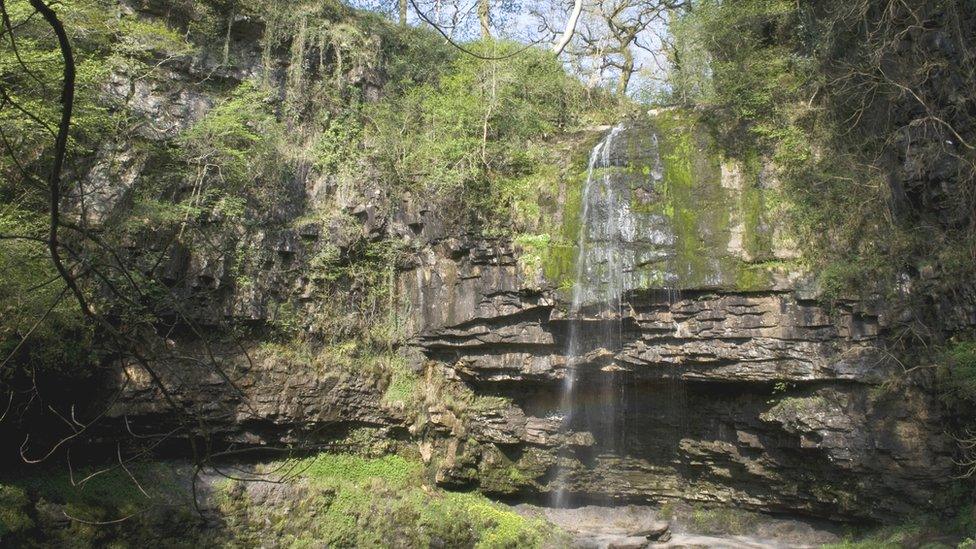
point(758, 399)
point(752, 394)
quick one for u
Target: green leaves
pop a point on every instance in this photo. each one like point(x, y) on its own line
point(467, 133)
point(232, 160)
point(234, 141)
point(36, 314)
point(138, 37)
point(957, 373)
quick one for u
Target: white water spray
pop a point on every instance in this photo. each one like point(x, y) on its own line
point(595, 311)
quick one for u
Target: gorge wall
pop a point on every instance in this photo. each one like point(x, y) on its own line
point(739, 386)
point(739, 383)
point(746, 392)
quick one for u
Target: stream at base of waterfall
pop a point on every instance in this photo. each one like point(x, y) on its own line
point(629, 527)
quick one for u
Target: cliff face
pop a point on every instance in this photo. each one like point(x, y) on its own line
point(735, 384)
point(761, 399)
point(749, 393)
point(757, 396)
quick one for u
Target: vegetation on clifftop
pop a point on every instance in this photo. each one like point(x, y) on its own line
point(863, 109)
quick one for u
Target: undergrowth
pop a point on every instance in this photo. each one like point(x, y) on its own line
point(370, 502)
point(922, 531)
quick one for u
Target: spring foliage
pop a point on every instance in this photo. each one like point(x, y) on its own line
point(864, 108)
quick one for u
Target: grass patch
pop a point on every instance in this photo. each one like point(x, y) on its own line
point(334, 500)
point(396, 471)
point(404, 387)
point(353, 501)
point(723, 520)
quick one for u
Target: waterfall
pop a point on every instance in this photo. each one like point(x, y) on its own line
point(605, 225)
point(594, 331)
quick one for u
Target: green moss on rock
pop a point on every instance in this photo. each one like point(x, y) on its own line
point(691, 198)
point(335, 500)
point(347, 501)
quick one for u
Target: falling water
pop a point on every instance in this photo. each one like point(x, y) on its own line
point(595, 324)
point(605, 225)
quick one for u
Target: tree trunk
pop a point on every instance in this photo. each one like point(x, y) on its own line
point(402, 4)
point(626, 70)
point(230, 27)
point(484, 16)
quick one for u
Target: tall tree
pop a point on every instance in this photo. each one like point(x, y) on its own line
point(608, 38)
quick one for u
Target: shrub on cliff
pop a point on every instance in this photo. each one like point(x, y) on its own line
point(865, 110)
point(957, 373)
point(467, 133)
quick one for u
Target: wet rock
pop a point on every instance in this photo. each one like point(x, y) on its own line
point(657, 531)
point(628, 543)
point(731, 397)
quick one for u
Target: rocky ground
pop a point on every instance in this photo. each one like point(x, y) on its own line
point(638, 526)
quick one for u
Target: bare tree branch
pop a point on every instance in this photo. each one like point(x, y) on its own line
point(570, 28)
